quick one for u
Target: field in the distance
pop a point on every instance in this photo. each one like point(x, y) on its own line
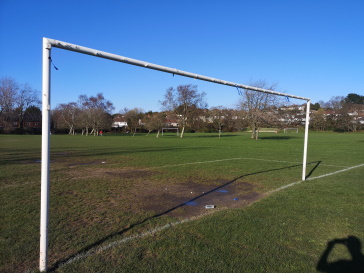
point(120, 203)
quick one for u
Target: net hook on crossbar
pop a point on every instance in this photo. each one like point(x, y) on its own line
point(239, 91)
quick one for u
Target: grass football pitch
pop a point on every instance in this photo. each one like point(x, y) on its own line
point(138, 204)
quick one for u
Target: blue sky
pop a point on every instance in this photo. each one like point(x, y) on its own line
point(312, 49)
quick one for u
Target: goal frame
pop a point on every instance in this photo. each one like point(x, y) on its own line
point(285, 130)
point(171, 129)
point(48, 44)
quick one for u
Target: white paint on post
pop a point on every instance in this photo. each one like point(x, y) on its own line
point(307, 123)
point(44, 206)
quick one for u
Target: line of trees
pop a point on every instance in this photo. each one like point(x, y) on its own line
point(341, 114)
point(185, 102)
point(183, 106)
point(18, 103)
point(89, 115)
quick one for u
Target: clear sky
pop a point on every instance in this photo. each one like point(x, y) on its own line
point(312, 48)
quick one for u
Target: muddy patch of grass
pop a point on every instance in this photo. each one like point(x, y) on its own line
point(188, 199)
point(143, 194)
point(121, 174)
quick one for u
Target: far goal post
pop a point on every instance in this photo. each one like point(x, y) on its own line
point(290, 130)
point(170, 129)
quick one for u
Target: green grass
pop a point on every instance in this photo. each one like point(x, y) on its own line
point(95, 203)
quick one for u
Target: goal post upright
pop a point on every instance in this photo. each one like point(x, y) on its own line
point(307, 122)
point(45, 161)
point(46, 92)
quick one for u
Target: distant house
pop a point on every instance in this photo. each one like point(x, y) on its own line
point(32, 124)
point(171, 121)
point(293, 108)
point(119, 121)
point(292, 115)
point(32, 119)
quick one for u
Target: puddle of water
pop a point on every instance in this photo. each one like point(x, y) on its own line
point(221, 190)
point(191, 203)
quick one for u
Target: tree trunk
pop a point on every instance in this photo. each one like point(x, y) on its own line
point(72, 131)
point(183, 130)
point(253, 132)
point(158, 134)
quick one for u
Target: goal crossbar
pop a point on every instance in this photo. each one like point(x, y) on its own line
point(118, 58)
point(46, 107)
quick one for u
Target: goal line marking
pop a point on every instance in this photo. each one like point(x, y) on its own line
point(313, 178)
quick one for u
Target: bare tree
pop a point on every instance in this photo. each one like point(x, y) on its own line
point(133, 118)
point(15, 98)
point(218, 118)
point(258, 107)
point(95, 112)
point(155, 121)
point(233, 120)
point(8, 92)
point(183, 101)
point(336, 102)
point(26, 97)
point(66, 115)
point(318, 120)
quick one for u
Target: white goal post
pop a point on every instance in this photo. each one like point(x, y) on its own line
point(48, 44)
point(164, 129)
point(286, 130)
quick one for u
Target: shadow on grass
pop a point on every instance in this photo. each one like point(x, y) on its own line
point(356, 264)
point(314, 168)
point(91, 248)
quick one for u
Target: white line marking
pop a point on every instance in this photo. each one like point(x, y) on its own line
point(340, 171)
point(100, 249)
point(313, 178)
point(238, 158)
point(197, 162)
